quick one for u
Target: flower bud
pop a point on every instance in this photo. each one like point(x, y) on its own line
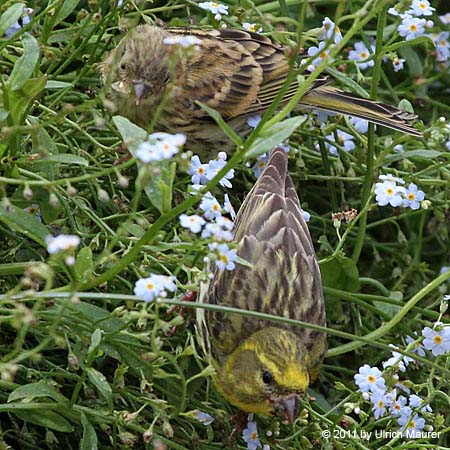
point(27, 193)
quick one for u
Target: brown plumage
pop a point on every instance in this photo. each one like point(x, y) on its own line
point(284, 280)
point(238, 73)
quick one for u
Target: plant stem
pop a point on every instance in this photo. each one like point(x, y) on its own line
point(367, 187)
point(327, 170)
point(383, 330)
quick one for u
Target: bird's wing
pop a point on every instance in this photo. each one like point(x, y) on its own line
point(224, 75)
point(275, 64)
point(269, 55)
point(284, 279)
point(254, 81)
point(237, 72)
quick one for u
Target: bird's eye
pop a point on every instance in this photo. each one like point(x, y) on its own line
point(267, 377)
point(123, 66)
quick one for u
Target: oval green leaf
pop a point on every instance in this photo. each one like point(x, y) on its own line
point(10, 17)
point(270, 137)
point(101, 384)
point(25, 65)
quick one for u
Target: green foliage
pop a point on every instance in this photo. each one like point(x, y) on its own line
point(84, 364)
point(340, 273)
point(10, 16)
point(157, 186)
point(271, 136)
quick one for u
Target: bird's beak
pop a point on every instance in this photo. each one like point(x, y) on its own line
point(141, 90)
point(289, 408)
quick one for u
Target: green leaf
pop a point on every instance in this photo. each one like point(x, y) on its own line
point(115, 344)
point(46, 418)
point(159, 187)
point(10, 17)
point(321, 402)
point(43, 143)
point(36, 390)
point(413, 60)
point(66, 9)
point(101, 384)
point(132, 135)
point(244, 262)
point(340, 273)
point(23, 223)
point(83, 264)
point(21, 100)
point(62, 35)
point(66, 158)
point(406, 105)
point(17, 268)
point(133, 359)
point(96, 315)
point(388, 31)
point(96, 340)
point(387, 308)
point(346, 81)
point(222, 124)
point(3, 114)
point(89, 439)
point(25, 65)
point(135, 230)
point(53, 84)
point(270, 137)
point(49, 212)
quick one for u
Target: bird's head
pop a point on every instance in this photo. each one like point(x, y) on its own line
point(267, 374)
point(138, 70)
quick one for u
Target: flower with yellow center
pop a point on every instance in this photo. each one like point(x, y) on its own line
point(370, 379)
point(360, 54)
point(437, 340)
point(411, 27)
point(194, 223)
point(389, 193)
point(379, 400)
point(154, 286)
point(412, 425)
point(421, 8)
point(213, 7)
point(253, 27)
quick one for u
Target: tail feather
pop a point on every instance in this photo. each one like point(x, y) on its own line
point(330, 99)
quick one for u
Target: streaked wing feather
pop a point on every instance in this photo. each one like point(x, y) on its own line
point(269, 91)
point(328, 98)
point(267, 53)
point(249, 72)
point(269, 57)
point(224, 75)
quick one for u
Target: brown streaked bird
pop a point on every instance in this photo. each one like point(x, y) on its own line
point(262, 366)
point(238, 73)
